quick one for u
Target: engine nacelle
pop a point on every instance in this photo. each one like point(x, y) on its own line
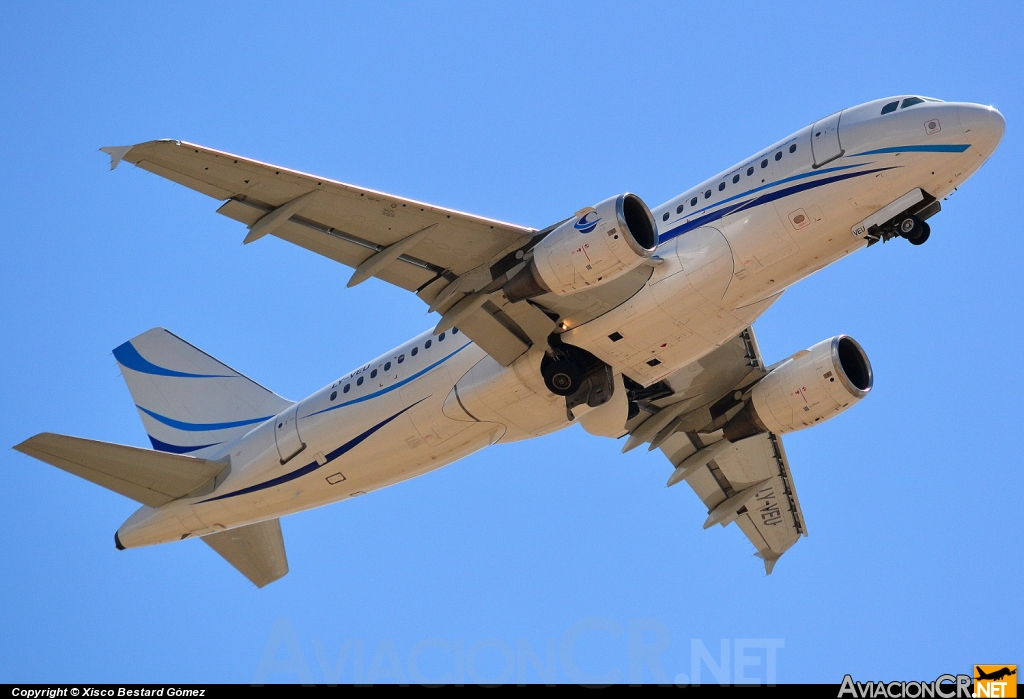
point(811, 387)
point(599, 244)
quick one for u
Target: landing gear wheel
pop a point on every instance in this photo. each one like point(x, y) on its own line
point(922, 235)
point(562, 377)
point(914, 230)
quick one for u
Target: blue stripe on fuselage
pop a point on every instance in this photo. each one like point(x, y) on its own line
point(936, 148)
point(792, 178)
point(392, 387)
point(314, 465)
point(757, 201)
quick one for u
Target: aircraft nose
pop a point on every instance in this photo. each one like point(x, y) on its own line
point(983, 126)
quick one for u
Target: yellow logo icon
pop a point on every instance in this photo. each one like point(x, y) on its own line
point(995, 681)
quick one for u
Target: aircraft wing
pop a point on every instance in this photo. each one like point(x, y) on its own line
point(748, 482)
point(441, 255)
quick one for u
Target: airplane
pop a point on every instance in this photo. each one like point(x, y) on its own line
point(634, 322)
point(995, 675)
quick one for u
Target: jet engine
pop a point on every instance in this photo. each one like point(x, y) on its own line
point(597, 245)
point(808, 388)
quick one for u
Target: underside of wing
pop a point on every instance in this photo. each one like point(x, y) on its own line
point(749, 481)
point(345, 223)
point(457, 263)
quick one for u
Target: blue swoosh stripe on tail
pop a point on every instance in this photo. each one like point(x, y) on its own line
point(174, 448)
point(128, 356)
point(201, 426)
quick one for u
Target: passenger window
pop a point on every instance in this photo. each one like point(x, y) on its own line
point(911, 101)
point(347, 388)
point(693, 202)
point(414, 351)
point(735, 179)
point(441, 338)
point(401, 358)
point(764, 163)
point(679, 209)
point(750, 171)
point(665, 217)
point(792, 148)
point(359, 381)
point(387, 366)
point(778, 156)
point(426, 345)
point(891, 107)
point(721, 186)
point(334, 394)
point(373, 374)
point(707, 194)
point(455, 331)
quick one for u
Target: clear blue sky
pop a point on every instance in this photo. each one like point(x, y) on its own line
point(912, 498)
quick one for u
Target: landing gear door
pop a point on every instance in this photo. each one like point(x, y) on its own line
point(825, 145)
point(286, 432)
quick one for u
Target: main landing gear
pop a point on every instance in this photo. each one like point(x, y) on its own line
point(913, 229)
point(576, 375)
point(562, 376)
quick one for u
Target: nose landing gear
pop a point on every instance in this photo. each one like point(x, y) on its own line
point(913, 229)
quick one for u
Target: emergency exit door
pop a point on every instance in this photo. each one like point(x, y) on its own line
point(286, 433)
point(825, 144)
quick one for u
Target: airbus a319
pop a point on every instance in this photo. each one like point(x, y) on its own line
point(634, 322)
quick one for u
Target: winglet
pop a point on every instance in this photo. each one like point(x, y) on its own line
point(770, 558)
point(116, 154)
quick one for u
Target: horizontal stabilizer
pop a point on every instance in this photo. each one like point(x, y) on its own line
point(255, 550)
point(150, 477)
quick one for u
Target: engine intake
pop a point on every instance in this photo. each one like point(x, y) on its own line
point(810, 387)
point(597, 245)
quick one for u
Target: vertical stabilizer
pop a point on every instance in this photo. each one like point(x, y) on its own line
point(189, 402)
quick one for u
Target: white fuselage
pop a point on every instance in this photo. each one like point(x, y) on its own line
point(729, 247)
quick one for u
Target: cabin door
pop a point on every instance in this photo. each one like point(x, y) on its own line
point(286, 432)
point(825, 145)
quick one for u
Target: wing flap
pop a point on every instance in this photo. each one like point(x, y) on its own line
point(151, 477)
point(771, 519)
point(256, 550)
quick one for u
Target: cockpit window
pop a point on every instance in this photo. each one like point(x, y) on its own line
point(891, 107)
point(911, 101)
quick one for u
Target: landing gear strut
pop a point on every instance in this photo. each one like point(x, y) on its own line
point(913, 229)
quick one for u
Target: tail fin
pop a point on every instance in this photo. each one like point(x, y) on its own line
point(188, 401)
